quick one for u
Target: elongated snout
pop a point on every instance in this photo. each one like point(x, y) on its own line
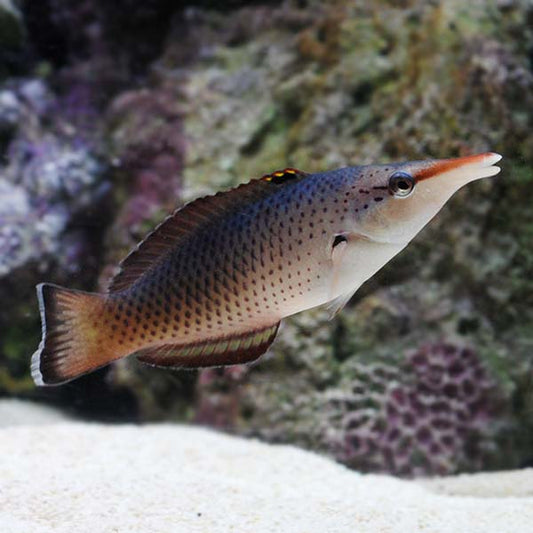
point(405, 212)
point(461, 170)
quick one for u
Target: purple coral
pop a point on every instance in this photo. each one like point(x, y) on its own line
point(48, 178)
point(432, 417)
point(149, 148)
point(10, 111)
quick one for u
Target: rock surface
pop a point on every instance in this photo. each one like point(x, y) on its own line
point(89, 477)
point(119, 114)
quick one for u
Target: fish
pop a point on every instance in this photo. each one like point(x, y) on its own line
point(211, 284)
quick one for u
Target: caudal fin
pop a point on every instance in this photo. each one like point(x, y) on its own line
point(71, 341)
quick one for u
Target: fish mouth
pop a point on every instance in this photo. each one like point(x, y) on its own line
point(462, 170)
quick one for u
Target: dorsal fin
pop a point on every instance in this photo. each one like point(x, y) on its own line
point(187, 219)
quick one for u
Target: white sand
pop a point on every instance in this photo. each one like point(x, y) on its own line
point(15, 412)
point(75, 477)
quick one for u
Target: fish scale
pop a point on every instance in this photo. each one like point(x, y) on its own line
point(210, 285)
point(273, 267)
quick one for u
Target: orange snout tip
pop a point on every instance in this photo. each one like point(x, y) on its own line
point(478, 161)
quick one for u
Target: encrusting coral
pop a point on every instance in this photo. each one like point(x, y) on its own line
point(433, 415)
point(219, 97)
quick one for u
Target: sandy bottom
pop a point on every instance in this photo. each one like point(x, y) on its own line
point(15, 412)
point(68, 476)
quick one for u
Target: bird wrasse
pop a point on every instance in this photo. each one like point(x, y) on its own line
point(210, 285)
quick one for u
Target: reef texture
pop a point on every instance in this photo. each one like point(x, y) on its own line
point(427, 416)
point(52, 189)
point(428, 369)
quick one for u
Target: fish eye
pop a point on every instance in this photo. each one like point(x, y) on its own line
point(401, 184)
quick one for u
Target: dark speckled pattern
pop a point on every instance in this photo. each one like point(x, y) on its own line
point(240, 270)
point(212, 282)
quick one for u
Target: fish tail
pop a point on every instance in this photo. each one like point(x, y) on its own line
point(71, 343)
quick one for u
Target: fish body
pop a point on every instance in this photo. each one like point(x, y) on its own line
point(210, 285)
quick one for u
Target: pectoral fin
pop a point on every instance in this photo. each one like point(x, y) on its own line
point(233, 350)
point(336, 305)
point(338, 251)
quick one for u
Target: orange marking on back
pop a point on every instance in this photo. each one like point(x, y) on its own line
point(287, 173)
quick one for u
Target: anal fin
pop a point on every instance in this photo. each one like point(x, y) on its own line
point(232, 350)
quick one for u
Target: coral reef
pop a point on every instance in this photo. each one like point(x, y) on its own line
point(114, 124)
point(52, 189)
point(48, 177)
point(435, 413)
point(147, 148)
point(53, 181)
point(348, 86)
